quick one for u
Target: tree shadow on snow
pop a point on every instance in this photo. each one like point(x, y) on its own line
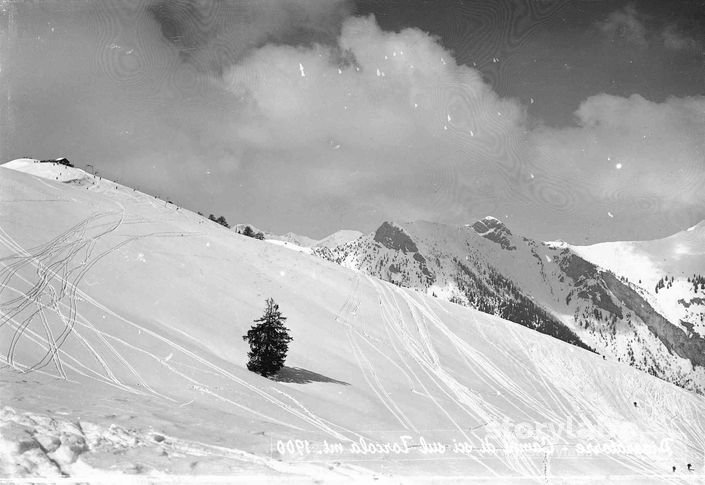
point(297, 375)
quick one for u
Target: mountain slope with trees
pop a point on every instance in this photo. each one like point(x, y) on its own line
point(548, 287)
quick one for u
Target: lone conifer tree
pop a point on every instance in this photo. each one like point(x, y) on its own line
point(269, 341)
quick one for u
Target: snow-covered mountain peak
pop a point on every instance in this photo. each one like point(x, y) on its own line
point(491, 220)
point(393, 236)
point(493, 229)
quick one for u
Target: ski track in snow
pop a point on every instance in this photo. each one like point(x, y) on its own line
point(421, 349)
point(52, 261)
point(41, 304)
point(410, 321)
point(346, 315)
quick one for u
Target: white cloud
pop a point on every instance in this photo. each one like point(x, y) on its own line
point(628, 25)
point(625, 25)
point(213, 34)
point(396, 106)
point(384, 88)
point(660, 149)
point(416, 135)
point(425, 139)
point(675, 40)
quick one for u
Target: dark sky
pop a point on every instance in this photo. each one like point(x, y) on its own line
point(556, 51)
point(581, 120)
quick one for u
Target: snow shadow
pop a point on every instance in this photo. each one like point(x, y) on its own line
point(297, 375)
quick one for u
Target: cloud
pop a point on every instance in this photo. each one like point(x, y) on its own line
point(634, 156)
point(388, 125)
point(310, 130)
point(625, 25)
point(97, 84)
point(675, 40)
point(213, 34)
point(628, 26)
point(378, 117)
point(364, 126)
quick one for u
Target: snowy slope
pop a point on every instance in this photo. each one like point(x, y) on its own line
point(121, 329)
point(544, 286)
point(680, 257)
point(51, 171)
point(290, 239)
point(337, 238)
point(299, 242)
point(290, 245)
point(302, 244)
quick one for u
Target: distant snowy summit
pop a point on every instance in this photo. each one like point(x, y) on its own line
point(299, 242)
point(394, 237)
point(494, 230)
point(60, 169)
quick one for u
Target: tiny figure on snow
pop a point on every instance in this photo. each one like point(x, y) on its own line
point(690, 467)
point(674, 468)
point(635, 404)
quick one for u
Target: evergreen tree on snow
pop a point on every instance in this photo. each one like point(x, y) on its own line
point(221, 220)
point(269, 341)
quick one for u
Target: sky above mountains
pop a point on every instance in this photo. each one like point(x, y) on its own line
point(580, 120)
